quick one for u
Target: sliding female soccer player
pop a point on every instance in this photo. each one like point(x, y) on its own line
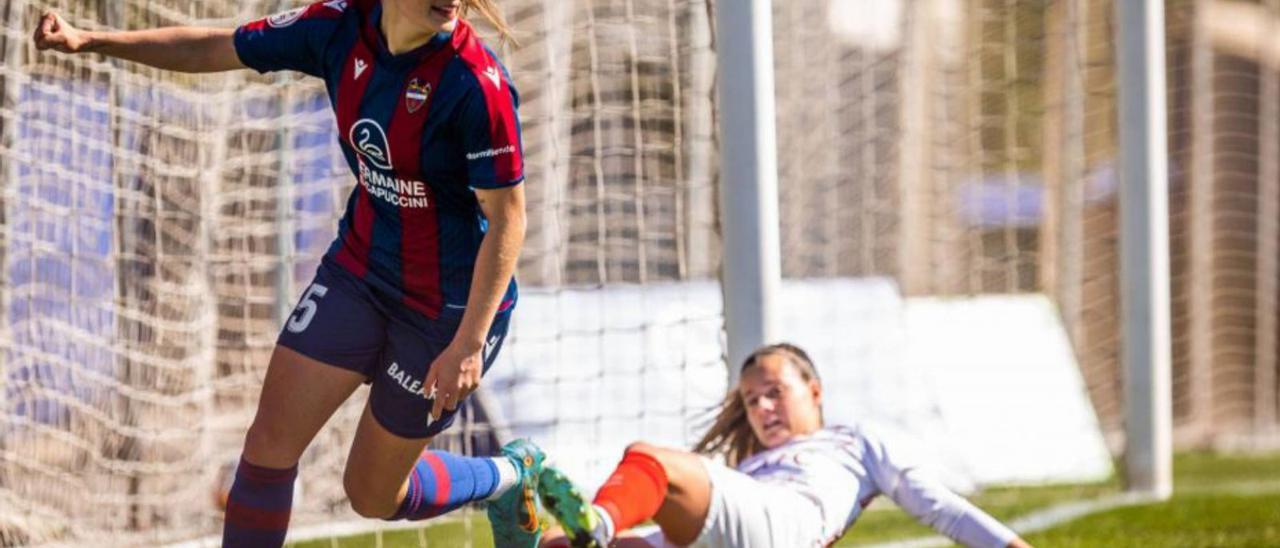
point(793, 482)
point(415, 294)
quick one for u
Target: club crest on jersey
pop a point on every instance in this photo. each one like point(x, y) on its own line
point(416, 95)
point(286, 18)
point(370, 141)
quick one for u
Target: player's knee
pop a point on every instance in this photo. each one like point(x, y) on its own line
point(644, 448)
point(366, 502)
point(683, 470)
point(676, 467)
point(668, 458)
point(262, 433)
point(267, 443)
point(366, 508)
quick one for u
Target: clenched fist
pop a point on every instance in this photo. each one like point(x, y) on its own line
point(54, 33)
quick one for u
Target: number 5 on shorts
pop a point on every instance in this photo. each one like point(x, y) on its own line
point(307, 307)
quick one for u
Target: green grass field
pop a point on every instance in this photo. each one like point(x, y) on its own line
point(1218, 501)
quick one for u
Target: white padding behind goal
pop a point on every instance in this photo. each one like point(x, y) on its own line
point(989, 384)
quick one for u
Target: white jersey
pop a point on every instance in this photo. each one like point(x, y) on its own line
point(842, 469)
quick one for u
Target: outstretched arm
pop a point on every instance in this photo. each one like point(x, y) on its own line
point(934, 505)
point(923, 496)
point(183, 49)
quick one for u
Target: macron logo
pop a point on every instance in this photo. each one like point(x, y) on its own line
point(488, 348)
point(492, 74)
point(360, 66)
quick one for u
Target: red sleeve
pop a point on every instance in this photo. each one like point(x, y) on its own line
point(490, 129)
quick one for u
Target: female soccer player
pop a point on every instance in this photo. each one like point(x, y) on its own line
point(415, 294)
point(794, 482)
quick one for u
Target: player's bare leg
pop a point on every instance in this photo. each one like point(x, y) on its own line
point(684, 509)
point(671, 487)
point(555, 537)
point(392, 477)
point(377, 468)
point(299, 395)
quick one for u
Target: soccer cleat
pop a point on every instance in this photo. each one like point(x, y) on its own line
point(514, 515)
point(574, 512)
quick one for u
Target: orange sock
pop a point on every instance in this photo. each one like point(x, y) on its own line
point(634, 491)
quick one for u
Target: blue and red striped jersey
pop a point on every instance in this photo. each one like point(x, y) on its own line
point(420, 130)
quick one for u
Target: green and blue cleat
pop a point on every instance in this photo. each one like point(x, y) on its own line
point(514, 515)
point(574, 512)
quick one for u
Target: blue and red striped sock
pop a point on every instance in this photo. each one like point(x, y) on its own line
point(258, 506)
point(441, 482)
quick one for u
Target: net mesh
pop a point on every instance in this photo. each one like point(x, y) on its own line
point(156, 226)
point(970, 147)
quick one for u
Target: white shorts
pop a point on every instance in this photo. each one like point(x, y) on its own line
point(746, 513)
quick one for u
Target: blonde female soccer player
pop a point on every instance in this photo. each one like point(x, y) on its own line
point(790, 480)
point(415, 294)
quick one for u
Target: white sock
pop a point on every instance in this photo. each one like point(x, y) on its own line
point(508, 476)
point(604, 529)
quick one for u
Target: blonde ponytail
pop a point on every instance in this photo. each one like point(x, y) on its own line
point(730, 433)
point(489, 10)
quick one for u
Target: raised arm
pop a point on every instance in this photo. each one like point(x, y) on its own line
point(182, 49)
point(923, 496)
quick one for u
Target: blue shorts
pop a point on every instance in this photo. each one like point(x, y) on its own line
point(342, 321)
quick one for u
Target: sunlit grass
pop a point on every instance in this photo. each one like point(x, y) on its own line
point(1218, 501)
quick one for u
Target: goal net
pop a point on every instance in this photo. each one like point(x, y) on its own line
point(949, 206)
point(157, 228)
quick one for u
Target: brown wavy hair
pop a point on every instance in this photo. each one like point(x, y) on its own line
point(489, 10)
point(730, 432)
